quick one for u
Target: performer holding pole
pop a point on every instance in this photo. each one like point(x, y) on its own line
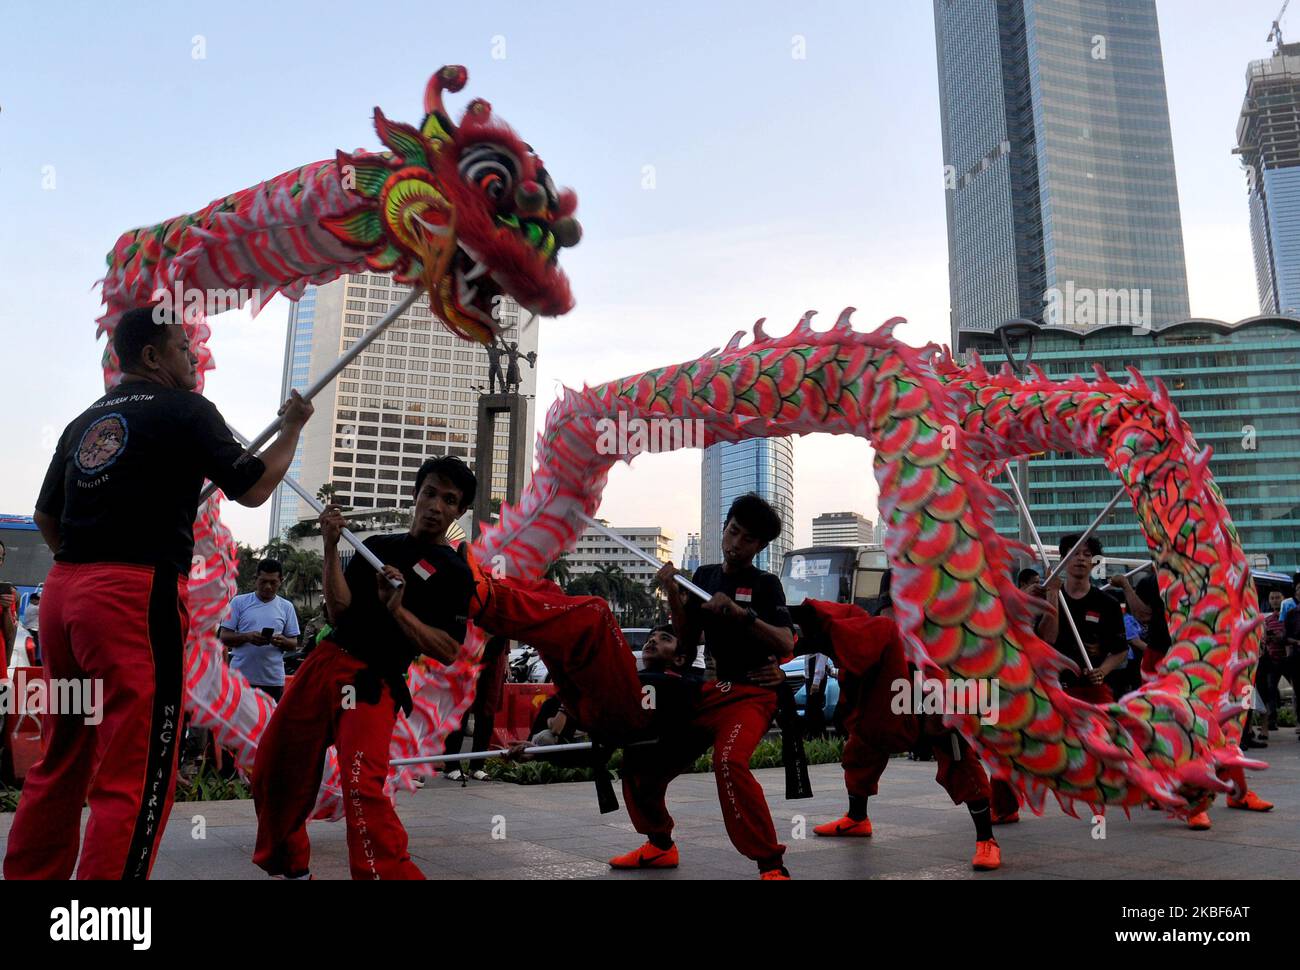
point(316, 506)
point(747, 628)
point(349, 689)
point(117, 508)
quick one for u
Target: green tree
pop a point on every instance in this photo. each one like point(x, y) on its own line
point(280, 550)
point(560, 571)
point(248, 559)
point(303, 573)
point(327, 492)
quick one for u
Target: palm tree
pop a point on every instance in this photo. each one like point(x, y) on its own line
point(560, 571)
point(279, 549)
point(612, 580)
point(326, 493)
point(248, 558)
point(640, 604)
point(303, 572)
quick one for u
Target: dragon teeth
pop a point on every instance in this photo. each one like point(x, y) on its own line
point(478, 270)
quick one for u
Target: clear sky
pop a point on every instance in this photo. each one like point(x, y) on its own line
point(720, 178)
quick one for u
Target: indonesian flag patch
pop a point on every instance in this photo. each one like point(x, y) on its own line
point(1092, 617)
point(744, 596)
point(424, 569)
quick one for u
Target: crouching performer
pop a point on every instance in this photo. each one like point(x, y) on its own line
point(869, 653)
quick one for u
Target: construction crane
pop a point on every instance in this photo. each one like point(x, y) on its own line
point(1277, 25)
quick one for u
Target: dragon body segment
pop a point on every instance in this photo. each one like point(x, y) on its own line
point(940, 430)
point(469, 213)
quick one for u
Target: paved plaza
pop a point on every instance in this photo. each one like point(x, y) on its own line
point(555, 832)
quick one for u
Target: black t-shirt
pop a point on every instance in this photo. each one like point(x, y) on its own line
point(438, 588)
point(733, 645)
point(1101, 627)
point(126, 477)
point(1148, 591)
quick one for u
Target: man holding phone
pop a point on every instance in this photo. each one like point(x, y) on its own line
point(259, 627)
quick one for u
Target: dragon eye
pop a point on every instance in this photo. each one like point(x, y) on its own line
point(491, 170)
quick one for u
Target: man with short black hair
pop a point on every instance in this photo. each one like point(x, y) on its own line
point(1027, 577)
point(663, 652)
point(1100, 623)
point(257, 655)
point(1290, 602)
point(747, 629)
point(348, 692)
point(117, 508)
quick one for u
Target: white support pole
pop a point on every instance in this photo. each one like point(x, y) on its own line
point(1024, 511)
point(325, 379)
point(685, 583)
point(1042, 551)
point(348, 535)
point(434, 759)
point(539, 749)
point(1084, 538)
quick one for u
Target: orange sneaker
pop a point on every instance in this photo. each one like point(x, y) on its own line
point(1251, 803)
point(988, 855)
point(1011, 819)
point(772, 874)
point(1200, 822)
point(845, 826)
point(646, 857)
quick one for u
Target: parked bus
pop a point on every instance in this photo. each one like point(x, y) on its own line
point(838, 574)
point(27, 558)
point(852, 573)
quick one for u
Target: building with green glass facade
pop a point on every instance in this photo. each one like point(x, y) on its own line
point(1237, 385)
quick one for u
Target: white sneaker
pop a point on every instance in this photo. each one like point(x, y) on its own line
point(480, 775)
point(454, 775)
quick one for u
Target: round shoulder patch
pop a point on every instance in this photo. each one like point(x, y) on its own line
point(101, 444)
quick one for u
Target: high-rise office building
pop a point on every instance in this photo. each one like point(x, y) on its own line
point(411, 396)
point(841, 528)
point(1268, 141)
point(761, 465)
point(1062, 205)
point(691, 557)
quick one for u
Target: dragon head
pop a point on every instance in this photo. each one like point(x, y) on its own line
point(468, 212)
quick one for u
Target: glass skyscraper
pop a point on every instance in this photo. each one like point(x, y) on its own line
point(1268, 141)
point(1061, 199)
point(761, 465)
point(285, 504)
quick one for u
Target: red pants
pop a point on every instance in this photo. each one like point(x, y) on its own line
point(870, 653)
point(125, 627)
point(591, 664)
point(291, 760)
point(733, 721)
point(958, 770)
point(1006, 801)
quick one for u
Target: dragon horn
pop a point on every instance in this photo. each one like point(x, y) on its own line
point(450, 78)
